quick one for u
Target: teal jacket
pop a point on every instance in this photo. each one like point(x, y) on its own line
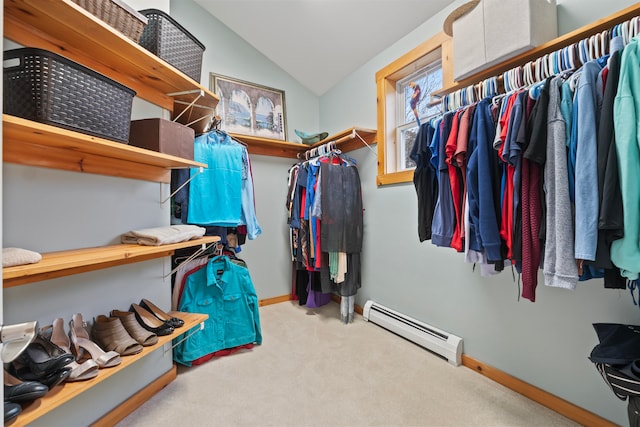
point(625, 252)
point(225, 292)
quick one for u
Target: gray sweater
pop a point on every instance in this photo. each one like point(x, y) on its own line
point(559, 266)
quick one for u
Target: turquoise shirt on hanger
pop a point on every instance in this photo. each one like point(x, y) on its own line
point(215, 195)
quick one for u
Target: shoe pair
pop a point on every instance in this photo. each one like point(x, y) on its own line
point(16, 391)
point(161, 315)
point(121, 332)
point(42, 361)
point(154, 319)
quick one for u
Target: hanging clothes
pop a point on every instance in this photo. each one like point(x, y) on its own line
point(610, 220)
point(225, 292)
point(324, 212)
point(424, 180)
point(222, 195)
point(625, 252)
point(544, 176)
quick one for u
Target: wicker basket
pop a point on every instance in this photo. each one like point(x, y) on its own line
point(167, 39)
point(117, 14)
point(45, 87)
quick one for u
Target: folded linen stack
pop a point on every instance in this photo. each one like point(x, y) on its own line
point(19, 256)
point(163, 235)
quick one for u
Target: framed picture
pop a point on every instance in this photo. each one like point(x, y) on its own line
point(248, 108)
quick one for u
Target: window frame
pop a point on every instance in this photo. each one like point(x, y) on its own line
point(435, 63)
point(386, 80)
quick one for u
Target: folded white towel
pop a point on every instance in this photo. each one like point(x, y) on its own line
point(163, 235)
point(19, 256)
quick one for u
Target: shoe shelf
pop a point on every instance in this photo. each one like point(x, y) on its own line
point(66, 263)
point(347, 140)
point(36, 144)
point(67, 391)
point(63, 27)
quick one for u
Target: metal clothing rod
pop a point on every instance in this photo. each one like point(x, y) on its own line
point(191, 257)
point(200, 170)
point(184, 338)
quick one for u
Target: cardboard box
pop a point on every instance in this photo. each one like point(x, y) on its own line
point(496, 30)
point(163, 136)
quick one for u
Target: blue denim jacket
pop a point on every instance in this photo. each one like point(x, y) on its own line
point(225, 292)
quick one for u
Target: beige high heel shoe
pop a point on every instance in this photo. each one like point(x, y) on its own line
point(79, 371)
point(86, 349)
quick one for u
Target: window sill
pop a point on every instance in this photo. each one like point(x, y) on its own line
point(395, 178)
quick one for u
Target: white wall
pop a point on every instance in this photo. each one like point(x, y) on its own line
point(545, 343)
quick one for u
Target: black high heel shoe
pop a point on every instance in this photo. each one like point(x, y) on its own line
point(149, 306)
point(150, 322)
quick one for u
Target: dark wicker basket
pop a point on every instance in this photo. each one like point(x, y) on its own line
point(45, 87)
point(167, 39)
point(118, 15)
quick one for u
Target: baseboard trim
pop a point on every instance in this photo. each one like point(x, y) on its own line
point(555, 403)
point(274, 300)
point(284, 298)
point(135, 401)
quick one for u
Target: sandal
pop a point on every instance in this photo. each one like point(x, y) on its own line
point(79, 371)
point(153, 309)
point(137, 332)
point(109, 334)
point(86, 349)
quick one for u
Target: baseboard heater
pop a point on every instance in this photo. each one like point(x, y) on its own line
point(442, 343)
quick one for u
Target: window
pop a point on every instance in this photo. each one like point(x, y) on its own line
point(418, 85)
point(428, 67)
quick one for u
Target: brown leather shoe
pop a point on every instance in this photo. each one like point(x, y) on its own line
point(110, 334)
point(133, 327)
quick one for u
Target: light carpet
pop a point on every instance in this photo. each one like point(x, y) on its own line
point(313, 370)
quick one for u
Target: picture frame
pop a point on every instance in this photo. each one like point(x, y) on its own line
point(248, 108)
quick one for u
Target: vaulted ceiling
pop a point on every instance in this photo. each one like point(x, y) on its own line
point(320, 42)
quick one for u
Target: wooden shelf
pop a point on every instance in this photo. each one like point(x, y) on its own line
point(345, 141)
point(65, 28)
point(66, 263)
point(36, 144)
point(551, 46)
point(67, 391)
point(269, 147)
